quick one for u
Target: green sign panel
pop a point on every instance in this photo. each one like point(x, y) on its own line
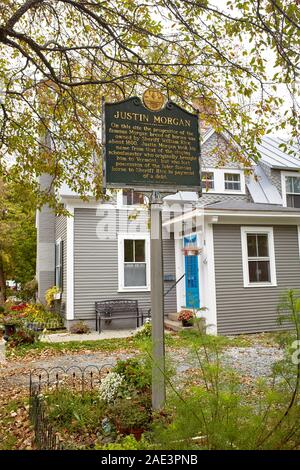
point(147, 150)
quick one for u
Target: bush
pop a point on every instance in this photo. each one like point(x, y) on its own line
point(37, 313)
point(145, 331)
point(28, 291)
point(131, 415)
point(79, 328)
point(136, 373)
point(128, 442)
point(22, 336)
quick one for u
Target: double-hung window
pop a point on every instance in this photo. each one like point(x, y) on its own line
point(258, 256)
point(133, 263)
point(207, 180)
point(59, 264)
point(292, 186)
point(232, 181)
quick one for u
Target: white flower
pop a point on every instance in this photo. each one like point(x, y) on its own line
point(110, 386)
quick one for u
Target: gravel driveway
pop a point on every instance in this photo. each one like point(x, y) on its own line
point(255, 362)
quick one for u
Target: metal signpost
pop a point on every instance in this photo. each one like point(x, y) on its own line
point(154, 149)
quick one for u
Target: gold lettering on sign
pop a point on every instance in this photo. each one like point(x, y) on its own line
point(172, 121)
point(152, 148)
point(131, 116)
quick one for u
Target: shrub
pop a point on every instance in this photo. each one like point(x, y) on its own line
point(79, 328)
point(28, 291)
point(128, 442)
point(22, 336)
point(131, 414)
point(145, 331)
point(37, 313)
point(136, 373)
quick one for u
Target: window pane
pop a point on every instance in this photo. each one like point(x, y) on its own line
point(57, 254)
point(58, 276)
point(293, 200)
point(232, 177)
point(296, 182)
point(139, 251)
point(262, 243)
point(127, 198)
point(138, 198)
point(252, 246)
point(135, 274)
point(259, 271)
point(289, 184)
point(128, 250)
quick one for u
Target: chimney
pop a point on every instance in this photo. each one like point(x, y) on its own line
point(207, 112)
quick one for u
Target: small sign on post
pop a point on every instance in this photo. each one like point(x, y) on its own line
point(154, 149)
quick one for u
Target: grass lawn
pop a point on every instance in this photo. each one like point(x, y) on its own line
point(184, 339)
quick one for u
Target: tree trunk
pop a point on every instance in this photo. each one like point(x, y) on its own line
point(2, 282)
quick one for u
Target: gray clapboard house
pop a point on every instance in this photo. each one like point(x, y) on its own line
point(247, 228)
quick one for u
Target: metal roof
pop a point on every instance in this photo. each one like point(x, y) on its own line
point(273, 156)
point(250, 206)
point(261, 189)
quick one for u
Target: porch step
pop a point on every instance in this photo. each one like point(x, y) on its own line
point(173, 316)
point(175, 325)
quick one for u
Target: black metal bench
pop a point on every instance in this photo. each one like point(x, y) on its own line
point(118, 309)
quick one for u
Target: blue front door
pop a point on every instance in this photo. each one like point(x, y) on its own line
point(191, 275)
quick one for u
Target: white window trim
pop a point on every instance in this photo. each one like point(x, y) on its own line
point(132, 207)
point(258, 230)
point(219, 181)
point(284, 175)
point(133, 236)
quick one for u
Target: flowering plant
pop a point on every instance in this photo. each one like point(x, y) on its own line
point(50, 295)
point(12, 319)
point(18, 308)
point(186, 315)
point(110, 387)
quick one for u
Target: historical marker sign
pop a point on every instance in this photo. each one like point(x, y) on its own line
point(147, 150)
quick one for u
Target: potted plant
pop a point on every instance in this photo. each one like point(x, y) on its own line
point(186, 317)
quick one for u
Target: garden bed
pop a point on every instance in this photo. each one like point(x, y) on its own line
point(82, 408)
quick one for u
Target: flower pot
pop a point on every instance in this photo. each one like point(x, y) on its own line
point(9, 330)
point(187, 322)
point(136, 432)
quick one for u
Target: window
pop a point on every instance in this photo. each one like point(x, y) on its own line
point(292, 191)
point(232, 181)
point(132, 198)
point(258, 256)
point(134, 262)
point(207, 180)
point(59, 264)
